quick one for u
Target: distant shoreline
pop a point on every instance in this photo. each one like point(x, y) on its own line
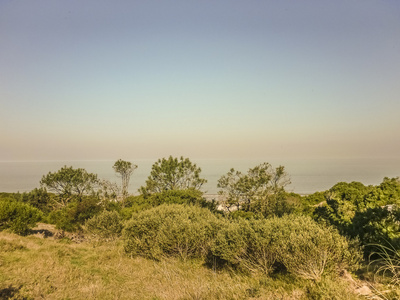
point(307, 176)
point(218, 197)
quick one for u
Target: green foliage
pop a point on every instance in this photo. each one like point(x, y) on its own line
point(107, 225)
point(367, 212)
point(308, 249)
point(69, 183)
point(15, 196)
point(332, 288)
point(305, 248)
point(241, 214)
point(38, 198)
point(18, 217)
point(246, 245)
point(173, 174)
point(139, 203)
point(189, 196)
point(277, 204)
point(262, 189)
point(388, 192)
point(315, 199)
point(134, 204)
point(343, 200)
point(124, 169)
point(71, 217)
point(377, 225)
point(170, 230)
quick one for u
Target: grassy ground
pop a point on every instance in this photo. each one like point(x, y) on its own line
point(44, 268)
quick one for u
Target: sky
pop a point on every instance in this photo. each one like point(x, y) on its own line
point(99, 80)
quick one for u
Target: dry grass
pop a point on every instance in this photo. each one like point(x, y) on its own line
point(37, 268)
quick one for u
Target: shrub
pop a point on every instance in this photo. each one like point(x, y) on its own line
point(308, 249)
point(298, 243)
point(18, 217)
point(106, 225)
point(135, 204)
point(13, 196)
point(331, 288)
point(377, 225)
point(189, 196)
point(71, 217)
point(38, 198)
point(170, 230)
point(246, 245)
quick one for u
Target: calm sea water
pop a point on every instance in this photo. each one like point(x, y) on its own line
point(307, 175)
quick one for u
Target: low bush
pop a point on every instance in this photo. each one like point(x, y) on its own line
point(73, 216)
point(38, 198)
point(308, 249)
point(106, 225)
point(18, 217)
point(171, 230)
point(135, 204)
point(246, 245)
point(303, 247)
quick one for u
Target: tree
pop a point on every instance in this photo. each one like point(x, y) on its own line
point(108, 190)
point(343, 200)
point(262, 188)
point(378, 225)
point(173, 174)
point(370, 213)
point(70, 183)
point(124, 169)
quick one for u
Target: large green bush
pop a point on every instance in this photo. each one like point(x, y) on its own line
point(246, 245)
point(18, 217)
point(74, 215)
point(308, 249)
point(171, 230)
point(106, 225)
point(303, 247)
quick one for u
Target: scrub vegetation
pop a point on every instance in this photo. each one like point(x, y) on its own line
point(74, 239)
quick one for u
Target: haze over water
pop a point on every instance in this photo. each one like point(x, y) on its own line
point(307, 175)
point(102, 79)
point(312, 85)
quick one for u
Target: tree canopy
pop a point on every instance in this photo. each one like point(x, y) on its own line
point(173, 174)
point(68, 182)
point(262, 187)
point(124, 169)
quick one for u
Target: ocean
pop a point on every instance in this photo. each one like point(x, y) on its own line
point(307, 175)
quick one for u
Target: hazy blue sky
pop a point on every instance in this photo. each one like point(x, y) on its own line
point(204, 79)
